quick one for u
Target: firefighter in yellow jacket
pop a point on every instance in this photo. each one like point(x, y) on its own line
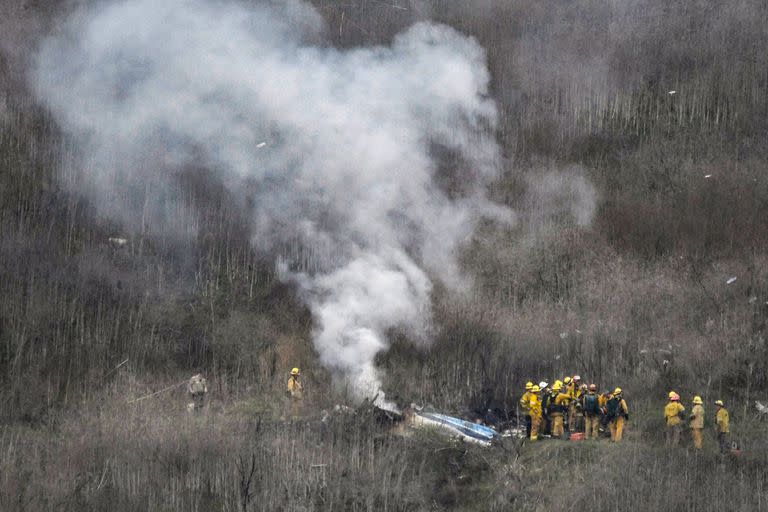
point(618, 413)
point(697, 422)
point(525, 405)
point(574, 391)
point(295, 392)
point(562, 401)
point(535, 411)
point(673, 413)
point(723, 425)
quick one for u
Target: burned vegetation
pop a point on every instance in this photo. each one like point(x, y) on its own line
point(417, 205)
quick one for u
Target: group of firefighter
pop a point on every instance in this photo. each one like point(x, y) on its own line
point(563, 407)
point(570, 406)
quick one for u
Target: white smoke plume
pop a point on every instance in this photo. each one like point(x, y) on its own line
point(333, 148)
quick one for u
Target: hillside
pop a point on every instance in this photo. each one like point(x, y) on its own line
point(398, 208)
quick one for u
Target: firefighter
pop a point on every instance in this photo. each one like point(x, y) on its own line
point(673, 413)
point(525, 405)
point(723, 426)
point(590, 406)
point(535, 412)
point(574, 391)
point(544, 395)
point(603, 401)
point(197, 388)
point(295, 392)
point(562, 400)
point(697, 422)
point(618, 413)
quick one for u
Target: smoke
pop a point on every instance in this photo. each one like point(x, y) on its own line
point(333, 149)
point(559, 197)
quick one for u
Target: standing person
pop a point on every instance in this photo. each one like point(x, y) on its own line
point(525, 405)
point(551, 407)
point(535, 412)
point(723, 426)
point(545, 396)
point(673, 413)
point(295, 391)
point(197, 388)
point(559, 410)
point(575, 392)
point(697, 422)
point(603, 401)
point(590, 406)
point(618, 412)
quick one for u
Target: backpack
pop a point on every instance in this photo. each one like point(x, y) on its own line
point(591, 405)
point(612, 408)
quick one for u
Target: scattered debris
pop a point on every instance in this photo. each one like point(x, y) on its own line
point(117, 242)
point(563, 335)
point(731, 280)
point(157, 392)
point(752, 299)
point(462, 429)
point(672, 93)
point(516, 432)
point(707, 176)
point(260, 145)
point(761, 409)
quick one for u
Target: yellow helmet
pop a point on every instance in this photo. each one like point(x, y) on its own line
point(528, 385)
point(617, 391)
point(720, 403)
point(295, 371)
point(697, 400)
point(672, 394)
point(557, 386)
point(567, 380)
point(559, 383)
point(535, 389)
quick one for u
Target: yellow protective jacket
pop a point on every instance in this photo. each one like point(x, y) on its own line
point(697, 416)
point(672, 413)
point(534, 404)
point(561, 402)
point(525, 402)
point(571, 390)
point(295, 389)
point(723, 420)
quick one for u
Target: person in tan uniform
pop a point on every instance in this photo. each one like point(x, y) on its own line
point(697, 422)
point(590, 407)
point(618, 412)
point(197, 387)
point(534, 410)
point(525, 405)
point(673, 412)
point(295, 392)
point(562, 400)
point(723, 425)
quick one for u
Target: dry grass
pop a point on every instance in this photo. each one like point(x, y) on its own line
point(644, 282)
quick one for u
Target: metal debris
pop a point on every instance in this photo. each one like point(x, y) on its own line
point(731, 280)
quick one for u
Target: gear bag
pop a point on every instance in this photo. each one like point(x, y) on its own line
point(612, 408)
point(591, 405)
